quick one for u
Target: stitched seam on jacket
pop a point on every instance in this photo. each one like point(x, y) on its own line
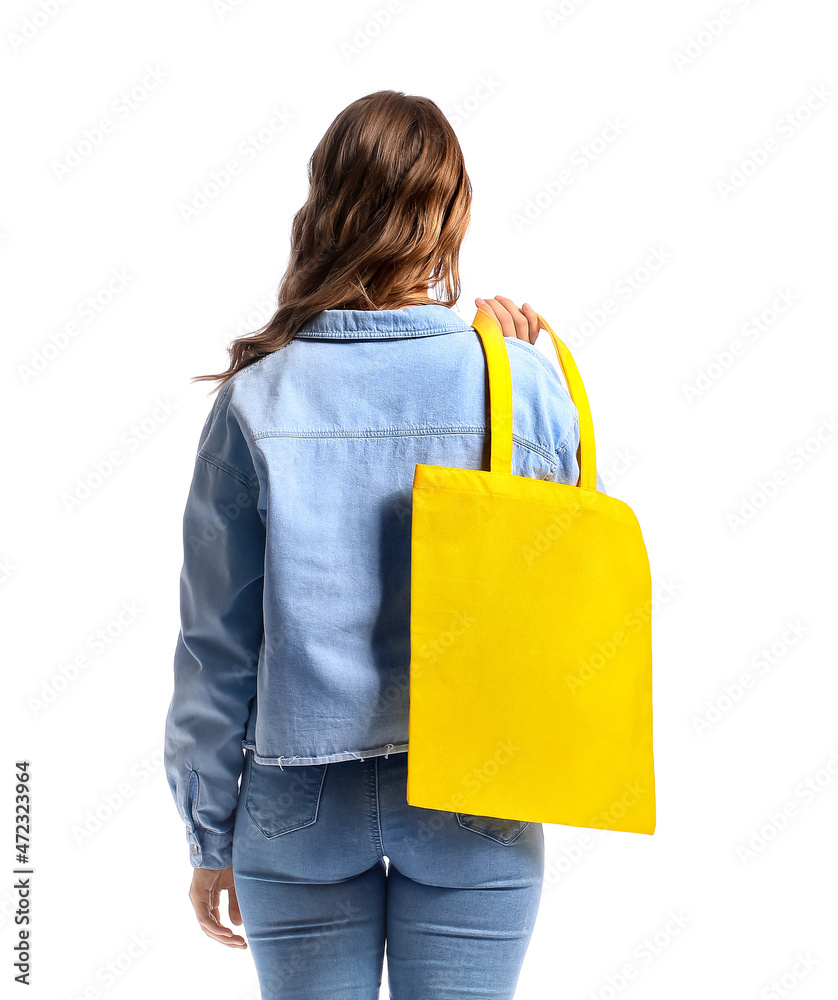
point(195, 807)
point(211, 460)
point(412, 432)
point(570, 434)
point(374, 432)
point(363, 333)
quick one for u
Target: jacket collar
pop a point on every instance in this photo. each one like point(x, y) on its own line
point(424, 320)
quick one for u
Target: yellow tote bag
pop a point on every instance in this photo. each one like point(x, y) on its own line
point(530, 631)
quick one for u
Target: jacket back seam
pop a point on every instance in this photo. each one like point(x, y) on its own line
point(398, 432)
point(246, 481)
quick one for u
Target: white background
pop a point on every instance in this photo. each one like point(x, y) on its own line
point(526, 91)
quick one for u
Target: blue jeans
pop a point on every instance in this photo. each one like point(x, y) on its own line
point(455, 904)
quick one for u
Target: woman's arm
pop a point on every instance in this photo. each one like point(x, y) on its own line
point(221, 633)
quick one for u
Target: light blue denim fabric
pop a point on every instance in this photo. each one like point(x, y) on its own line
point(295, 587)
point(333, 868)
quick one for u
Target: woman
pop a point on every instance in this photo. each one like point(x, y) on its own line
point(295, 639)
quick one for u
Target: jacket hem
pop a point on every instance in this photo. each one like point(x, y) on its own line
point(331, 758)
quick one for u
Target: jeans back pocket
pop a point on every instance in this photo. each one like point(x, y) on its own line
point(504, 831)
point(279, 800)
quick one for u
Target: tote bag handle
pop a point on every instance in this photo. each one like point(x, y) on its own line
point(500, 399)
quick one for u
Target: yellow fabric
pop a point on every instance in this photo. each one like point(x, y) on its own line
point(530, 628)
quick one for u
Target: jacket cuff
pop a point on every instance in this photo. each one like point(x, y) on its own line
point(208, 849)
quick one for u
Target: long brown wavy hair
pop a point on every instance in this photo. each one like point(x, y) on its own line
point(388, 206)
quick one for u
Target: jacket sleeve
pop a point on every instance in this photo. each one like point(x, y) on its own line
point(217, 650)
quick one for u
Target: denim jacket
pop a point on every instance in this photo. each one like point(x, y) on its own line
point(295, 587)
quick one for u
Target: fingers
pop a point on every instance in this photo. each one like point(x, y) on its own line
point(522, 324)
point(504, 316)
point(233, 905)
point(533, 320)
point(205, 894)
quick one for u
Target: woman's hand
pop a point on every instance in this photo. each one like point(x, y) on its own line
point(522, 323)
point(205, 893)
